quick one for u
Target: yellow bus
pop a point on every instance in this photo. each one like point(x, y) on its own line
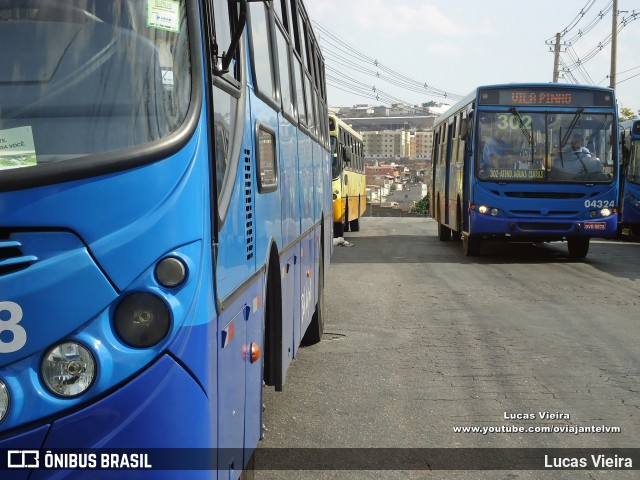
point(349, 183)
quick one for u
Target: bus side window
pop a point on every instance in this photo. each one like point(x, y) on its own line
point(261, 54)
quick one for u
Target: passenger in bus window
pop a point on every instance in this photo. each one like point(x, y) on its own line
point(495, 148)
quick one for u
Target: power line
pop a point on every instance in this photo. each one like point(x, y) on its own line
point(577, 18)
point(340, 53)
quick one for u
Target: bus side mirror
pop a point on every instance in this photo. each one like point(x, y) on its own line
point(222, 67)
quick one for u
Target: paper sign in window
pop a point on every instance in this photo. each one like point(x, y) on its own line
point(17, 148)
point(163, 14)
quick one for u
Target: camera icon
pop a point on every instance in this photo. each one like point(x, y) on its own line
point(23, 459)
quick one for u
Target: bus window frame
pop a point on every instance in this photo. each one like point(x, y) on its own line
point(293, 115)
point(235, 88)
point(270, 98)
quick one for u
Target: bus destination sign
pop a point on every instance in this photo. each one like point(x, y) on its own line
point(545, 97)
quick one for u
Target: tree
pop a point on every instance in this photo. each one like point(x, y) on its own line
point(421, 207)
point(626, 114)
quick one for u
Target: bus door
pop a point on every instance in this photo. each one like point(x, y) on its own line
point(448, 168)
point(467, 152)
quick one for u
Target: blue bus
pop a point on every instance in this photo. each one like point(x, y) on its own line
point(630, 179)
point(527, 162)
point(165, 224)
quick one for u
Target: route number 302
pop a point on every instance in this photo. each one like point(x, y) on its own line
point(10, 317)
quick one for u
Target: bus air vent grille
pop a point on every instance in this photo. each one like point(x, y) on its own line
point(544, 226)
point(11, 257)
point(248, 203)
point(544, 194)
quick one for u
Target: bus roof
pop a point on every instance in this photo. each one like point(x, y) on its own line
point(345, 126)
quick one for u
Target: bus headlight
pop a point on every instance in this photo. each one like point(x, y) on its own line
point(494, 212)
point(4, 401)
point(605, 212)
point(483, 209)
point(171, 272)
point(68, 369)
point(142, 320)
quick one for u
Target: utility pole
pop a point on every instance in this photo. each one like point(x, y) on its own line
point(556, 59)
point(614, 44)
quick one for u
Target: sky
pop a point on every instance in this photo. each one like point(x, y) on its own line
point(456, 46)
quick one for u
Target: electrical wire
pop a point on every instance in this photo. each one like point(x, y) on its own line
point(340, 55)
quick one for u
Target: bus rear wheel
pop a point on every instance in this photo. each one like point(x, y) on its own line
point(444, 233)
point(578, 247)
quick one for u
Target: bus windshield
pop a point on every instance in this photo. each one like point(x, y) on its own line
point(633, 171)
point(84, 77)
point(545, 146)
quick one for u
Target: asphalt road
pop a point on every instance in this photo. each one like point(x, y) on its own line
point(420, 340)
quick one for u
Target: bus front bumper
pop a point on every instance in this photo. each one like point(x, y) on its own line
point(541, 228)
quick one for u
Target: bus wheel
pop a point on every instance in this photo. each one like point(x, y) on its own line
point(444, 233)
point(313, 334)
point(456, 235)
point(471, 245)
point(578, 247)
point(354, 225)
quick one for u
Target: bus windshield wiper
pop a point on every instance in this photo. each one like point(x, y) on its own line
point(572, 125)
point(523, 128)
point(527, 134)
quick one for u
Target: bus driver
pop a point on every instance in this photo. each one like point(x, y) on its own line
point(577, 159)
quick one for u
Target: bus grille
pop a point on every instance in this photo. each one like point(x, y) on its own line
point(546, 226)
point(544, 194)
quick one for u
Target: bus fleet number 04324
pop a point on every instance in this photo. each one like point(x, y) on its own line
point(599, 203)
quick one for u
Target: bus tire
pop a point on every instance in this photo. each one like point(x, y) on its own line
point(471, 245)
point(578, 247)
point(444, 233)
point(315, 330)
point(456, 234)
point(354, 225)
point(272, 344)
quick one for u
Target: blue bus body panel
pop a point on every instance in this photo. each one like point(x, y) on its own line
point(630, 203)
point(152, 410)
point(236, 240)
point(63, 270)
point(156, 207)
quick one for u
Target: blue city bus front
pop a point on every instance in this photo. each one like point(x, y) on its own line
point(544, 165)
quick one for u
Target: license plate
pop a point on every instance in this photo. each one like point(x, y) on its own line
point(595, 226)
